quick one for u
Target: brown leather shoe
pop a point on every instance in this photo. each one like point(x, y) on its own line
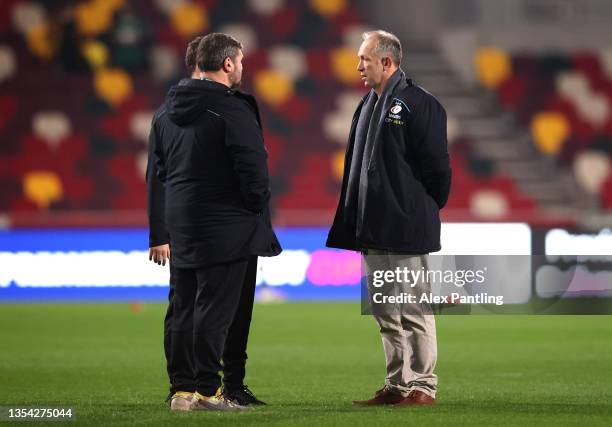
point(384, 396)
point(417, 398)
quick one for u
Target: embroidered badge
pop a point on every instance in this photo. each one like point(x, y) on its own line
point(394, 116)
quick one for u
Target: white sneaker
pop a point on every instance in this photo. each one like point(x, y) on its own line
point(218, 402)
point(181, 401)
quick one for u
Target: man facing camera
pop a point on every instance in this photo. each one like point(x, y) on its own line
point(396, 179)
point(209, 153)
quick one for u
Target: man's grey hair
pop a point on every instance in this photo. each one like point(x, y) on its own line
point(214, 48)
point(387, 45)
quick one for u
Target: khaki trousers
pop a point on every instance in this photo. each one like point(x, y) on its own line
point(408, 337)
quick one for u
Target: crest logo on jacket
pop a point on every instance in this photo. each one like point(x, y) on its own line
point(394, 116)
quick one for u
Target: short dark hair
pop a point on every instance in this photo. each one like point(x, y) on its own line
point(214, 48)
point(190, 54)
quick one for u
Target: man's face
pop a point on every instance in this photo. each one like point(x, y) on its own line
point(235, 74)
point(370, 65)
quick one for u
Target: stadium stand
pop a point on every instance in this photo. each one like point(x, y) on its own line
point(79, 82)
point(564, 100)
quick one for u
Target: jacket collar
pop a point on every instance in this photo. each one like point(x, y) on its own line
point(395, 81)
point(386, 96)
point(397, 77)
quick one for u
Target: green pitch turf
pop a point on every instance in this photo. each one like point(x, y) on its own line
point(308, 361)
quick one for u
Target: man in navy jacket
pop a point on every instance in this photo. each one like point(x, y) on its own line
point(396, 179)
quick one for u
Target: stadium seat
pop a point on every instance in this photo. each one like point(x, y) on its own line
point(570, 115)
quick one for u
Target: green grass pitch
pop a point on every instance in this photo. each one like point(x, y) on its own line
point(308, 361)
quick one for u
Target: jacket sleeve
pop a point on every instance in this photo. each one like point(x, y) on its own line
point(244, 140)
point(429, 131)
point(156, 192)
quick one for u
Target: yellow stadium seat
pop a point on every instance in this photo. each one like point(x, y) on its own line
point(493, 66)
point(344, 62)
point(42, 188)
point(549, 130)
point(39, 41)
point(328, 7)
point(113, 85)
point(273, 86)
point(96, 53)
point(93, 18)
point(189, 19)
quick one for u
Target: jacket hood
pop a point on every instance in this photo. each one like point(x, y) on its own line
point(186, 101)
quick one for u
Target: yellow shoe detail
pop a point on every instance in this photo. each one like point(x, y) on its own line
point(183, 394)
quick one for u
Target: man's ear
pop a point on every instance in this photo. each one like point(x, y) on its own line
point(386, 62)
point(227, 64)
